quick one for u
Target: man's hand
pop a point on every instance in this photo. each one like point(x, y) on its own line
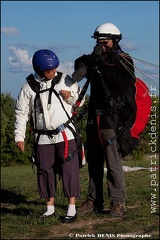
point(97, 51)
point(79, 73)
point(20, 145)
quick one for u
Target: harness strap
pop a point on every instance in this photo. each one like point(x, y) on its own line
point(113, 110)
point(113, 103)
point(65, 144)
point(70, 156)
point(108, 141)
point(83, 91)
point(59, 129)
point(98, 121)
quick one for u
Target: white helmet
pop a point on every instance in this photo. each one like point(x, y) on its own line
point(107, 30)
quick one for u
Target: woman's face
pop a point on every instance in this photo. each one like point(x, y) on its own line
point(50, 74)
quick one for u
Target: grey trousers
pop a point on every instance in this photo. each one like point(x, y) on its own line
point(97, 155)
point(49, 156)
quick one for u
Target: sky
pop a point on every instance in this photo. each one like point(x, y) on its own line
point(66, 27)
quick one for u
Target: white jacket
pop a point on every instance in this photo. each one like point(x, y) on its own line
point(47, 117)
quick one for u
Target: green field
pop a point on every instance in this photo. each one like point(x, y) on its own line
point(21, 207)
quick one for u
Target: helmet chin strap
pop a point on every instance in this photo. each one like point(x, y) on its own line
point(109, 56)
point(115, 42)
point(41, 74)
point(44, 78)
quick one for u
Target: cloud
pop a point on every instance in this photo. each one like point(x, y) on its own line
point(128, 45)
point(10, 31)
point(66, 67)
point(20, 60)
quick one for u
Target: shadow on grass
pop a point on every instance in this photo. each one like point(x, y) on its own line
point(11, 203)
point(18, 212)
point(11, 197)
point(8, 197)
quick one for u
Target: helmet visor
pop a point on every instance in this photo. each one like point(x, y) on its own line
point(106, 36)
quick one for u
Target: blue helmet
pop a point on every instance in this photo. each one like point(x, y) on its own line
point(44, 60)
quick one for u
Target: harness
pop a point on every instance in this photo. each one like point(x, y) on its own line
point(111, 110)
point(122, 133)
point(35, 86)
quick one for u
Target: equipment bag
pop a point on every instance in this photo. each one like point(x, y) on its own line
point(129, 138)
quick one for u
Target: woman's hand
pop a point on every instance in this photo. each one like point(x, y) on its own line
point(65, 94)
point(20, 145)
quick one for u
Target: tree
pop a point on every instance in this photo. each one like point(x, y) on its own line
point(9, 153)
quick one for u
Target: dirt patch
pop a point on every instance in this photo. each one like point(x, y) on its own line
point(79, 226)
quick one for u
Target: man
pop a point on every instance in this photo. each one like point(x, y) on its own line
point(112, 110)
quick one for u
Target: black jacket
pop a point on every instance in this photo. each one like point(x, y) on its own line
point(117, 73)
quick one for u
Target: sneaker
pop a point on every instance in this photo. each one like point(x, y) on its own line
point(117, 210)
point(86, 207)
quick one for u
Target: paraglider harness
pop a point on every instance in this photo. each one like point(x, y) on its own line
point(127, 135)
point(112, 111)
point(35, 86)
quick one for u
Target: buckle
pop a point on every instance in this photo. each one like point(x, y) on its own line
point(70, 156)
point(109, 141)
point(100, 112)
point(61, 127)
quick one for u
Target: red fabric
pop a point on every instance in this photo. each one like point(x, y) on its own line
point(83, 153)
point(66, 144)
point(78, 104)
point(98, 120)
point(143, 102)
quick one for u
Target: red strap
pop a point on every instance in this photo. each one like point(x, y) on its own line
point(78, 103)
point(74, 113)
point(98, 120)
point(66, 144)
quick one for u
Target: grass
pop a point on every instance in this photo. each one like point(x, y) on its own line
point(21, 207)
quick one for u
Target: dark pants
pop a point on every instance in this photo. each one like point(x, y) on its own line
point(49, 156)
point(97, 154)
